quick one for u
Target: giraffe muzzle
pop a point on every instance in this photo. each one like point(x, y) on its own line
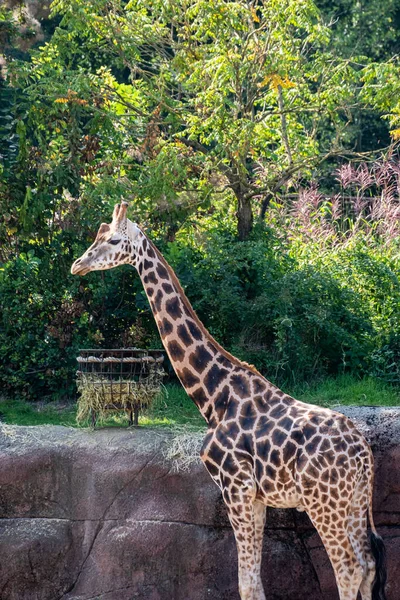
point(79, 268)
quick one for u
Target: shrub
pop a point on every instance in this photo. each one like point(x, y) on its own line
point(311, 293)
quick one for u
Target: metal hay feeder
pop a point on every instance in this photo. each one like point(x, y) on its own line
point(118, 379)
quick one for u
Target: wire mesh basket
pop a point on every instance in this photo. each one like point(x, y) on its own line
point(119, 379)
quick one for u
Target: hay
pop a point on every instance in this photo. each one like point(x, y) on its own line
point(183, 450)
point(100, 395)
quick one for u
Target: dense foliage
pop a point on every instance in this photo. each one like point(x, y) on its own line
point(217, 120)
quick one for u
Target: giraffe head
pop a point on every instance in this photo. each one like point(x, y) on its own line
point(113, 246)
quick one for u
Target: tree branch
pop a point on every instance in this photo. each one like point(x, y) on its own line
point(284, 125)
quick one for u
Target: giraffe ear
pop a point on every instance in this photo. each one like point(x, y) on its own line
point(104, 228)
point(122, 212)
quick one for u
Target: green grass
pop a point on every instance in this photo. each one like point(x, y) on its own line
point(21, 412)
point(349, 391)
point(174, 408)
point(171, 407)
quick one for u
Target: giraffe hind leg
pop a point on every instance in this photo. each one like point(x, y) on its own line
point(349, 572)
point(358, 535)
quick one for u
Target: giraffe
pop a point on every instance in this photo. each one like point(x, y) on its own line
point(262, 447)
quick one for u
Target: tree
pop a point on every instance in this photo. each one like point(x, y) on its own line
point(197, 109)
point(183, 100)
point(367, 28)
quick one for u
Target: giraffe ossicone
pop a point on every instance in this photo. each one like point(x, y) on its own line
point(263, 447)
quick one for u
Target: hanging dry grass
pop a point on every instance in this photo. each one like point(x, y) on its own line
point(100, 395)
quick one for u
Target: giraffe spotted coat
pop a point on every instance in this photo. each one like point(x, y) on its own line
point(263, 447)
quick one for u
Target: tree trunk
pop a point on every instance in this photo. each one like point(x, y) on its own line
point(265, 204)
point(244, 214)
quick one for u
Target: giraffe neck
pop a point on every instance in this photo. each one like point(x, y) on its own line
point(204, 368)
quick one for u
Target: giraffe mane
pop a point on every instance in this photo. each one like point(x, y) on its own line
point(193, 313)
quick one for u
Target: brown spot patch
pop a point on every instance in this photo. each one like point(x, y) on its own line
point(216, 453)
point(165, 327)
point(231, 409)
point(229, 465)
point(211, 468)
point(283, 475)
point(339, 444)
point(183, 335)
point(162, 271)
point(326, 445)
point(176, 351)
point(258, 386)
point(245, 442)
point(308, 431)
point(286, 423)
point(275, 458)
point(278, 437)
point(268, 486)
point(208, 413)
point(278, 412)
point(150, 278)
point(289, 452)
point(168, 289)
point(330, 456)
point(342, 461)
point(214, 377)
point(270, 472)
point(264, 427)
point(194, 330)
point(222, 360)
point(158, 300)
point(232, 430)
point(188, 378)
point(260, 403)
point(248, 416)
point(297, 436)
point(173, 308)
point(311, 447)
point(259, 469)
point(263, 449)
point(223, 439)
point(200, 398)
point(200, 358)
point(240, 386)
point(221, 402)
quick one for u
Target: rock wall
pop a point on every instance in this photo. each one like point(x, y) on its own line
point(103, 515)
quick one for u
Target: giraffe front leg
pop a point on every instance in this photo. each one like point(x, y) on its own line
point(259, 523)
point(248, 525)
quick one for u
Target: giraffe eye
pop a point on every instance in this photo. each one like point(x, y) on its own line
point(114, 242)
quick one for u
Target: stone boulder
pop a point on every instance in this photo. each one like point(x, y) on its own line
point(105, 515)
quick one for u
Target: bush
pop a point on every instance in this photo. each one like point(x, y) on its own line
point(310, 294)
point(295, 315)
point(46, 315)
